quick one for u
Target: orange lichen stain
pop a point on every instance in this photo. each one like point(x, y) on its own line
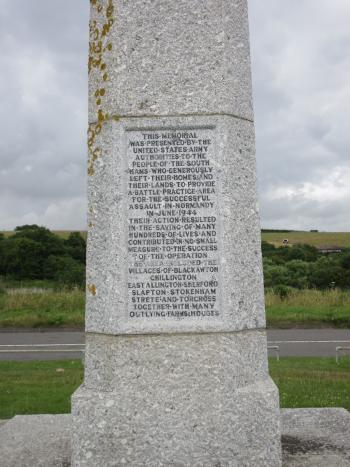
point(98, 33)
point(96, 153)
point(94, 130)
point(100, 115)
point(92, 289)
point(91, 170)
point(98, 47)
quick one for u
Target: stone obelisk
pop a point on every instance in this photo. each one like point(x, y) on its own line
point(176, 358)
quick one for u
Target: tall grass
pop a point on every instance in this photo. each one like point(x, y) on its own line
point(309, 298)
point(53, 308)
point(309, 307)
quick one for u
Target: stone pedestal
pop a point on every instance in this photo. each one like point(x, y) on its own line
point(176, 362)
point(185, 400)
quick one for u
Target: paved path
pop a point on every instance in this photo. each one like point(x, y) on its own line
point(291, 342)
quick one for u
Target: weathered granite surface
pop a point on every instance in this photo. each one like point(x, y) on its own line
point(316, 437)
point(170, 58)
point(182, 399)
point(186, 387)
point(241, 278)
point(166, 363)
point(36, 441)
point(310, 438)
point(189, 426)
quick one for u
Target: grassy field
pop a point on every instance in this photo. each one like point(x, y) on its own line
point(309, 238)
point(305, 308)
point(46, 387)
point(312, 382)
point(311, 308)
point(38, 387)
point(49, 309)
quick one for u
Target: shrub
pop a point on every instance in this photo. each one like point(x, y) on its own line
point(283, 291)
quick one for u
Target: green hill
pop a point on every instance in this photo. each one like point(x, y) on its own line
point(308, 238)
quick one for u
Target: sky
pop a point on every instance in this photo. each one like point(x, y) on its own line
point(300, 54)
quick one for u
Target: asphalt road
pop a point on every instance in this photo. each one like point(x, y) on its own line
point(48, 345)
point(308, 342)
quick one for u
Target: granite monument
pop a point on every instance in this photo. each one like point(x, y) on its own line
point(176, 356)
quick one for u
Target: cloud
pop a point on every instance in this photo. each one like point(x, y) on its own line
point(301, 79)
point(43, 91)
point(301, 71)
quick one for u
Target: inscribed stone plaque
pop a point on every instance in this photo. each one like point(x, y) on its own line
point(173, 225)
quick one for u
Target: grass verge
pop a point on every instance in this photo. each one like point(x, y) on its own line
point(309, 308)
point(46, 387)
point(312, 382)
point(38, 386)
point(49, 309)
point(302, 308)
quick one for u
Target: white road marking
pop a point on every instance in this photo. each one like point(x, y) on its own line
point(308, 342)
point(41, 345)
point(41, 351)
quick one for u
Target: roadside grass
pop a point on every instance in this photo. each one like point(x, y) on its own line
point(65, 308)
point(312, 382)
point(309, 238)
point(49, 309)
point(38, 386)
point(309, 308)
point(35, 387)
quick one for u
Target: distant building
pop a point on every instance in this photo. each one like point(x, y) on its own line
point(329, 249)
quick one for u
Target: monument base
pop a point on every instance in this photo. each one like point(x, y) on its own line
point(310, 438)
point(176, 400)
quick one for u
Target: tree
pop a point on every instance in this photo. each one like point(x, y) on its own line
point(50, 243)
point(2, 254)
point(326, 273)
point(23, 258)
point(345, 260)
point(298, 272)
point(65, 271)
point(275, 275)
point(75, 246)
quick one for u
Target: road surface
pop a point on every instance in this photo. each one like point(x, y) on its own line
point(48, 345)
